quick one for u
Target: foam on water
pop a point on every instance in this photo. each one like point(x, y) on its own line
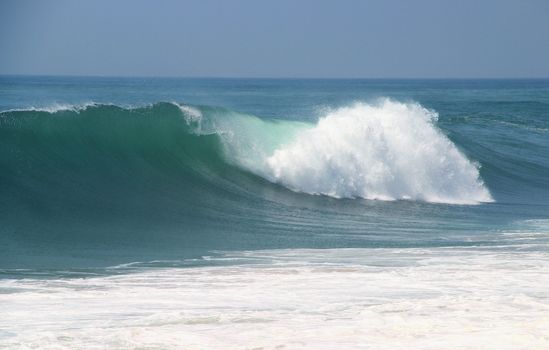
point(385, 151)
point(297, 299)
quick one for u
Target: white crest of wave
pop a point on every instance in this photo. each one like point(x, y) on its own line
point(190, 113)
point(55, 107)
point(387, 151)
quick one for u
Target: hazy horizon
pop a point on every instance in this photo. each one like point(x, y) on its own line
point(264, 77)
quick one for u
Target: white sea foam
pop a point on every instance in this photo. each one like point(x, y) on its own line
point(389, 150)
point(436, 298)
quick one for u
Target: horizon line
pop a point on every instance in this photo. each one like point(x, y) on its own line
point(264, 77)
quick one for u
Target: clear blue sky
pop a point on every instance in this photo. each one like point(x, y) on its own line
point(278, 38)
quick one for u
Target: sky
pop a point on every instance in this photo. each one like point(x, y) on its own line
point(278, 38)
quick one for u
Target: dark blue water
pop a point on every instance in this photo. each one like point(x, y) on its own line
point(96, 172)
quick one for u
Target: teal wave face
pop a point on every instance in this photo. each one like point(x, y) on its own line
point(111, 184)
point(358, 152)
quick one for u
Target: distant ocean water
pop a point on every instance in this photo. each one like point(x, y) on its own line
point(261, 213)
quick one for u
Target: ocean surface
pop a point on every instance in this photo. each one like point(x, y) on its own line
point(152, 213)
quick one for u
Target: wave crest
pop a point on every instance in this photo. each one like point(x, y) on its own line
point(386, 151)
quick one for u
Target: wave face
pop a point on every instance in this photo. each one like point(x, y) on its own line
point(385, 151)
point(96, 159)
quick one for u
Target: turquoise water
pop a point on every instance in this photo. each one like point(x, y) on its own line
point(98, 172)
point(214, 213)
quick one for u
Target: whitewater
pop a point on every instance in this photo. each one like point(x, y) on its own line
point(414, 298)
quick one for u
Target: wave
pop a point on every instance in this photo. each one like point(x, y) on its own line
point(387, 151)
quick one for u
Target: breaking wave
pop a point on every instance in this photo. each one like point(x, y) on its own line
point(387, 150)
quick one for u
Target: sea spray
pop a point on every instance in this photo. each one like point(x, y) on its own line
point(387, 151)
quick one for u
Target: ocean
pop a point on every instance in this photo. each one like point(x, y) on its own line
point(171, 213)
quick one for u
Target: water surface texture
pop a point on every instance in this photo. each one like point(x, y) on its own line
point(208, 213)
